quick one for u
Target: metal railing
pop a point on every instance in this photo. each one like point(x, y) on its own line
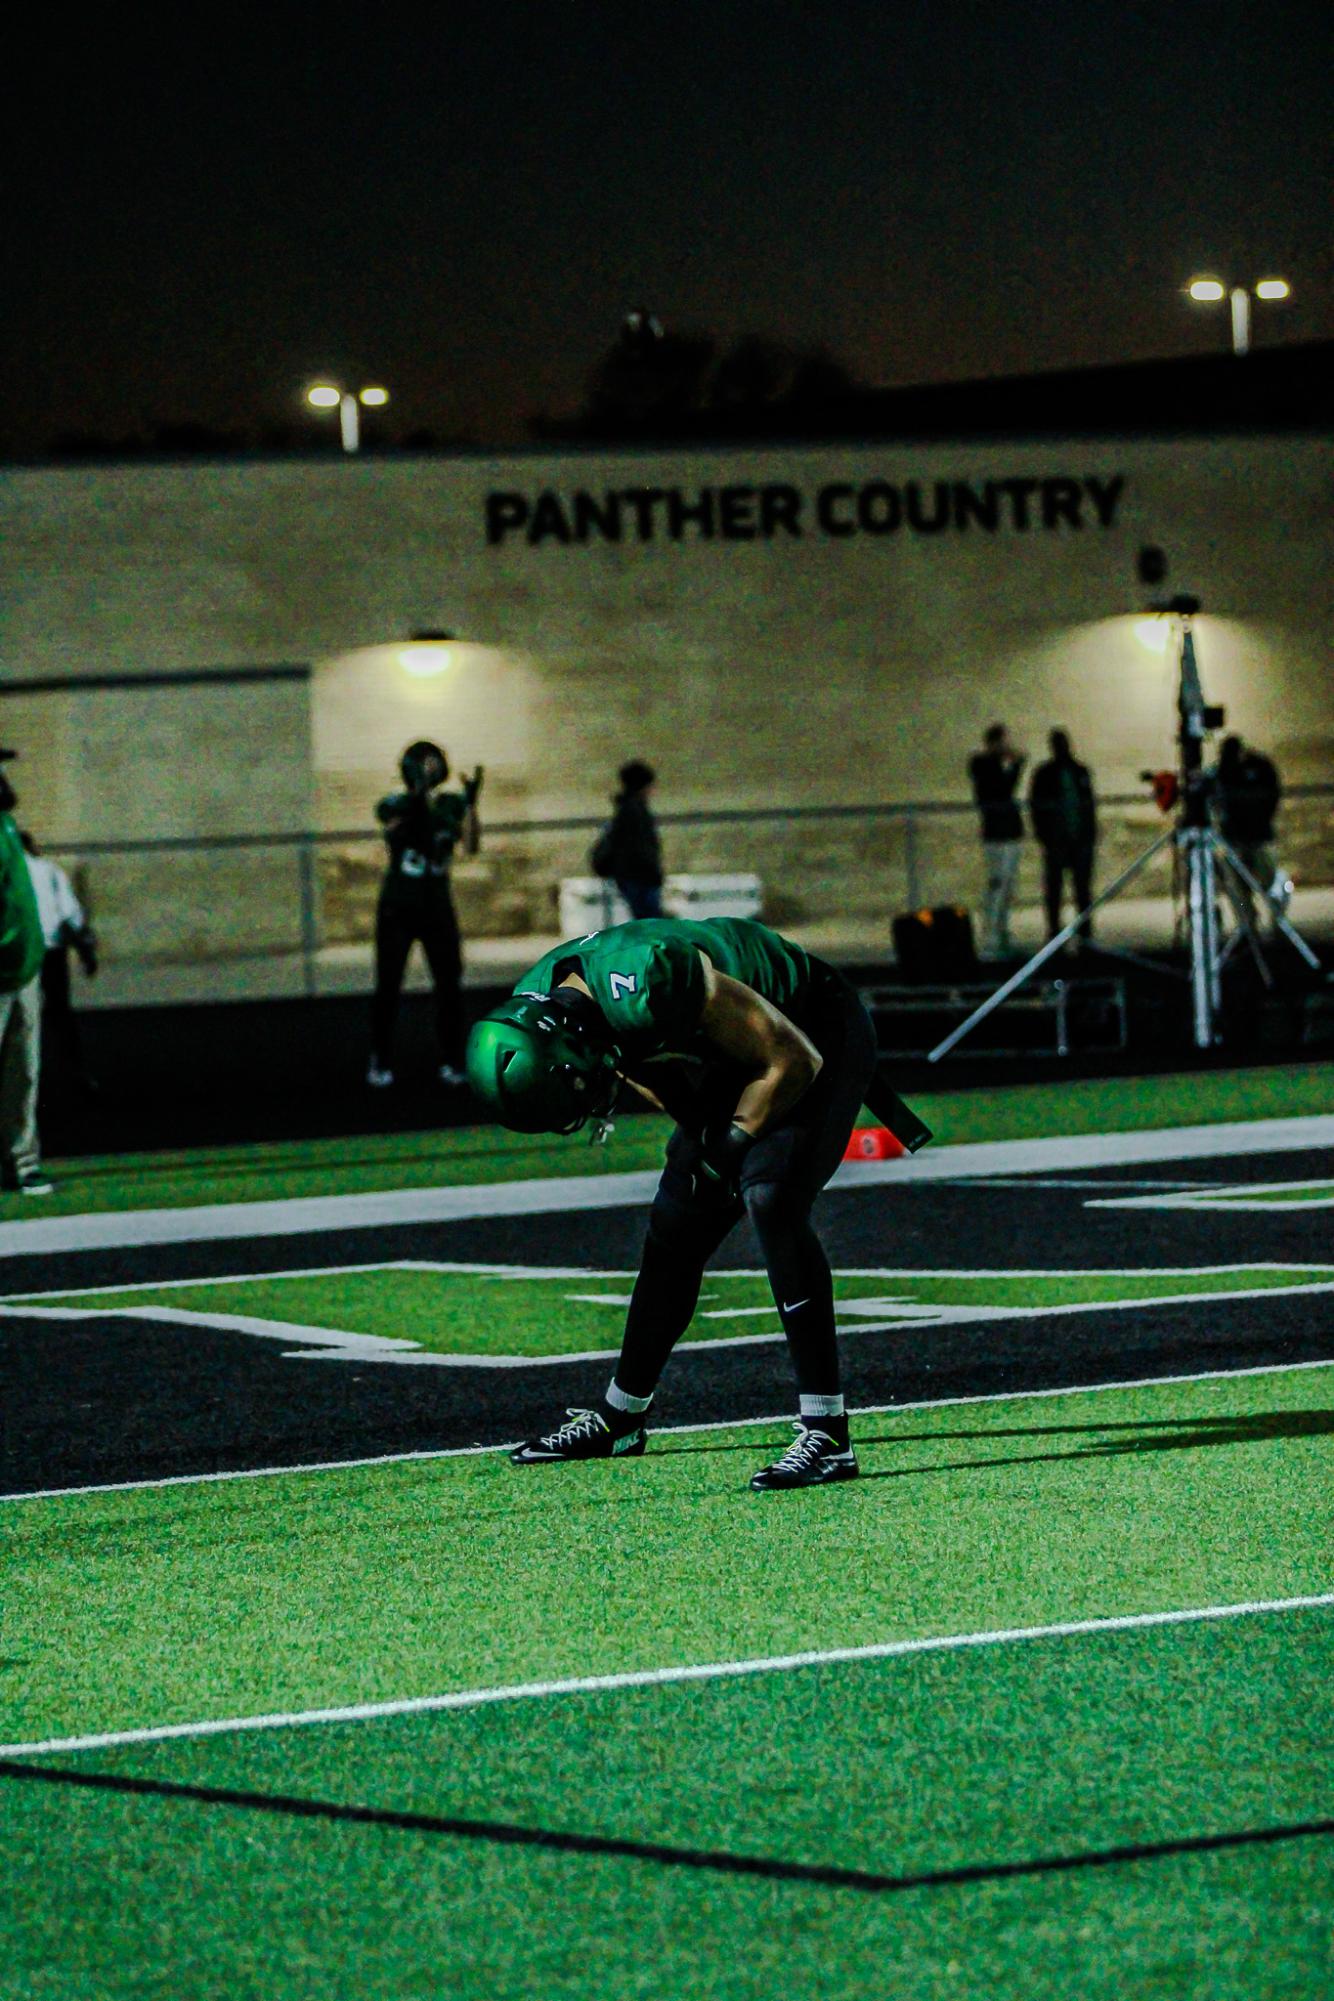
point(186, 916)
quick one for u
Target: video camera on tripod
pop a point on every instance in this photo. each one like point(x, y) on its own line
point(1197, 717)
point(1189, 784)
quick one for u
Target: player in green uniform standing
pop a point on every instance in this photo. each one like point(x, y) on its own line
point(763, 1056)
point(422, 827)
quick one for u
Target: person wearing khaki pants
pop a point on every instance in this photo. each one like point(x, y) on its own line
point(995, 773)
point(22, 947)
point(20, 1063)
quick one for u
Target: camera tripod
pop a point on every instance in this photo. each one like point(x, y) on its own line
point(1207, 864)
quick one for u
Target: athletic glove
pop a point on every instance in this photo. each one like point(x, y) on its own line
point(718, 1169)
point(472, 786)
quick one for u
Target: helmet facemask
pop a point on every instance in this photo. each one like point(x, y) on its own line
point(545, 1063)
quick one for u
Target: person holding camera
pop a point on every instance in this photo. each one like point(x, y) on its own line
point(423, 824)
point(628, 850)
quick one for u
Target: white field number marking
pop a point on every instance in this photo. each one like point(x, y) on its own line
point(894, 1302)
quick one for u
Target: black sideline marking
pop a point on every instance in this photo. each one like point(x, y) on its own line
point(507, 1834)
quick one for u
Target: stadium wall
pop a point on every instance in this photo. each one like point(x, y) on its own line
point(794, 626)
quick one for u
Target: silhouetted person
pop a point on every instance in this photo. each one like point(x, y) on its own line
point(1248, 792)
point(422, 826)
point(995, 772)
point(1065, 823)
point(628, 848)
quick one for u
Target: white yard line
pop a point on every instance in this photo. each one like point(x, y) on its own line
point(663, 1677)
point(658, 1431)
point(467, 1266)
point(308, 1215)
point(304, 1215)
point(1223, 1196)
point(336, 1271)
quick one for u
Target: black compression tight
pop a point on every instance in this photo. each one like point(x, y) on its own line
point(683, 1234)
point(802, 1284)
point(782, 1175)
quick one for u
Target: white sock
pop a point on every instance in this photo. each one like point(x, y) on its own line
point(821, 1406)
point(620, 1399)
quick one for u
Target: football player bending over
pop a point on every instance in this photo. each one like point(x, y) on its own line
point(763, 1056)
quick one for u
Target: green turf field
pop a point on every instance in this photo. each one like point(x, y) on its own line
point(463, 1156)
point(1041, 1708)
point(373, 1585)
point(957, 1760)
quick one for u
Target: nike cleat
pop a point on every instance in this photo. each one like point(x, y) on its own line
point(586, 1434)
point(813, 1459)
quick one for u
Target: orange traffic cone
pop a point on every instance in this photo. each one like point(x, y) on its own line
point(873, 1143)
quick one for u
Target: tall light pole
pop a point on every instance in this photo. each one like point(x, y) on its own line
point(328, 396)
point(1211, 291)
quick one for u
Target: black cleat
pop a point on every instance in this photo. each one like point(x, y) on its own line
point(586, 1434)
point(813, 1459)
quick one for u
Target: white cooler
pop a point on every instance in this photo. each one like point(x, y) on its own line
point(587, 903)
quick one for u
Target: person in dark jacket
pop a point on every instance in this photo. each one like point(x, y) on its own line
point(1247, 791)
point(995, 773)
point(1065, 824)
point(628, 849)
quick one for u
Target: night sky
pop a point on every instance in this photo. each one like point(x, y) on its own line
point(207, 214)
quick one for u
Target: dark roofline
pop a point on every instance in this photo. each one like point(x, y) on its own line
point(1273, 391)
point(1270, 392)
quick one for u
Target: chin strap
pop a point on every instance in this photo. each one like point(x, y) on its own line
point(601, 1130)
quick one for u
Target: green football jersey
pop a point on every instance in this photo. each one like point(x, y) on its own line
point(648, 979)
point(22, 946)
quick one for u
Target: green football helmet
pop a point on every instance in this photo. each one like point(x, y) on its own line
point(539, 1068)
